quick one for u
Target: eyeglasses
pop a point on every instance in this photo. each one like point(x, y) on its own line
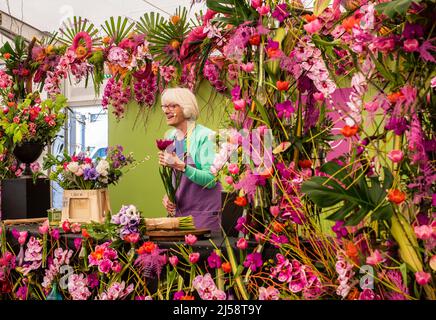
point(170, 107)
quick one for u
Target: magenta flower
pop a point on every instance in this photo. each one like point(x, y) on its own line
point(274, 210)
point(313, 26)
point(179, 295)
point(162, 144)
point(263, 10)
point(396, 156)
point(285, 109)
point(105, 266)
point(339, 229)
point(242, 244)
point(424, 232)
point(190, 239)
point(174, 260)
point(194, 257)
point(21, 293)
point(368, 294)
point(239, 104)
point(280, 12)
point(92, 280)
point(233, 168)
point(411, 45)
point(55, 234)
point(78, 243)
point(253, 261)
point(214, 261)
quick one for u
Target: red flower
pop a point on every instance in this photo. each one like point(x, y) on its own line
point(85, 233)
point(282, 85)
point(74, 158)
point(394, 97)
point(396, 196)
point(66, 226)
point(7, 55)
point(147, 247)
point(16, 120)
point(255, 40)
point(226, 267)
point(305, 164)
point(241, 201)
point(65, 165)
point(88, 160)
point(348, 131)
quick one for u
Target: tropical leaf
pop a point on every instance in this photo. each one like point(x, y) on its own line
point(392, 8)
point(237, 11)
point(119, 29)
point(148, 23)
point(351, 191)
point(72, 26)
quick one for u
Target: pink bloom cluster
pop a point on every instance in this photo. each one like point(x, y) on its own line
point(145, 90)
point(78, 287)
point(32, 256)
point(167, 72)
point(207, 289)
point(5, 80)
point(61, 257)
point(118, 56)
point(7, 263)
point(236, 46)
point(105, 258)
point(428, 234)
point(345, 271)
point(212, 73)
point(117, 291)
point(300, 278)
point(269, 293)
point(117, 96)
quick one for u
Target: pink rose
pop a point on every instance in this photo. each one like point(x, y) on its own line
point(422, 278)
point(410, 45)
point(190, 239)
point(194, 257)
point(233, 168)
point(395, 156)
point(242, 244)
point(313, 26)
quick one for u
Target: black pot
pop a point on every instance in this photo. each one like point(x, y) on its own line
point(27, 153)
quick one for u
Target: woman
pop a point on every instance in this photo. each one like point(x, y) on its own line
point(193, 152)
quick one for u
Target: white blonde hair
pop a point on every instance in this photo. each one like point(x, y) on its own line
point(184, 98)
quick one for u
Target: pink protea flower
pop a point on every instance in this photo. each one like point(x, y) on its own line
point(194, 257)
point(422, 278)
point(190, 239)
point(396, 156)
point(375, 258)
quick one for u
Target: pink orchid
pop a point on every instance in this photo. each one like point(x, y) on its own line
point(263, 10)
point(423, 232)
point(374, 258)
point(396, 156)
point(194, 257)
point(239, 104)
point(422, 278)
point(190, 239)
point(269, 293)
point(313, 26)
point(242, 244)
point(43, 229)
point(233, 168)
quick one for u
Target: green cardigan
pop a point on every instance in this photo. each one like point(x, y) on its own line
point(202, 152)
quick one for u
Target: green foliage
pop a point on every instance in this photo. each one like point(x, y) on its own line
point(351, 189)
point(72, 27)
point(117, 30)
point(392, 8)
point(237, 11)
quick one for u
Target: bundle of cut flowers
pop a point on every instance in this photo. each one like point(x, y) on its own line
point(79, 172)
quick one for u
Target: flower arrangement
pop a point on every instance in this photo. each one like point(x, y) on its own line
point(79, 172)
point(167, 174)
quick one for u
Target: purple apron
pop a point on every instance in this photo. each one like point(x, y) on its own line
point(203, 204)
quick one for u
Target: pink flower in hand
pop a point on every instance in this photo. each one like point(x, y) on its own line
point(422, 278)
point(242, 244)
point(313, 26)
point(374, 258)
point(194, 257)
point(396, 156)
point(190, 239)
point(43, 229)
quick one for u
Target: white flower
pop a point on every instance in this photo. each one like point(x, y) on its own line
point(73, 167)
point(102, 168)
point(131, 211)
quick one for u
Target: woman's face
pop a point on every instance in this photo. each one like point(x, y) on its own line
point(174, 114)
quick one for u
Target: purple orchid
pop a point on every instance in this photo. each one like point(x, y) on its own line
point(253, 261)
point(285, 109)
point(281, 12)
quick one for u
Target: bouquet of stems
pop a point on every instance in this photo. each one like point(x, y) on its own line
point(166, 173)
point(179, 223)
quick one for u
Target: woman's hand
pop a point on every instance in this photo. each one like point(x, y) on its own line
point(171, 160)
point(169, 206)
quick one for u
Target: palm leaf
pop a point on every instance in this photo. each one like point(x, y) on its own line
point(148, 23)
point(238, 11)
point(117, 30)
point(72, 26)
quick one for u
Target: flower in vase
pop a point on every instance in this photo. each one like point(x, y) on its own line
point(43, 229)
point(396, 156)
point(233, 168)
point(147, 247)
point(280, 12)
point(282, 85)
point(411, 45)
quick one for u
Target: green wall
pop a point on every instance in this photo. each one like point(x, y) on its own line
point(142, 186)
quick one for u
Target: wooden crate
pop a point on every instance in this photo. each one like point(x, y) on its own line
point(85, 205)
